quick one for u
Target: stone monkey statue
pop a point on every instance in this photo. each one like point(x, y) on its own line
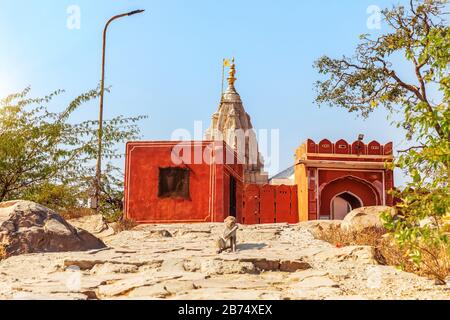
point(228, 238)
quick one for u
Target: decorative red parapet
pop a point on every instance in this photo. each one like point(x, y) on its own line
point(343, 147)
point(312, 146)
point(388, 148)
point(325, 146)
point(359, 148)
point(374, 148)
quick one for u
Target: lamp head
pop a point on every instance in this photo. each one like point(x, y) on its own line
point(135, 12)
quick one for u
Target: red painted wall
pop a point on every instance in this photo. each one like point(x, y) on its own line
point(267, 208)
point(251, 213)
point(282, 203)
point(209, 182)
point(293, 217)
point(270, 204)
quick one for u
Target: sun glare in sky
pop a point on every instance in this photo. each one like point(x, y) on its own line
point(6, 86)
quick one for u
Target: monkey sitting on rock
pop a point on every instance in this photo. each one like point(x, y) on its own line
point(228, 238)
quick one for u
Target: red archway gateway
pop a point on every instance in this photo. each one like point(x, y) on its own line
point(333, 178)
point(354, 191)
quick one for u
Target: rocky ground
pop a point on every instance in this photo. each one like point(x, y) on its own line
point(179, 262)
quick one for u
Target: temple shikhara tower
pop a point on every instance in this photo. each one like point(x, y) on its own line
point(232, 124)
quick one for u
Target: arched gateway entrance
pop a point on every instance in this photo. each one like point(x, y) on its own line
point(343, 195)
point(342, 204)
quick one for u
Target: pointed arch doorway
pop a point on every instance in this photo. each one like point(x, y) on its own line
point(343, 203)
point(340, 196)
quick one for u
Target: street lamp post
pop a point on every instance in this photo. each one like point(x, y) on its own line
point(98, 173)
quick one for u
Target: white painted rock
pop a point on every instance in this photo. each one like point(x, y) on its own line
point(365, 218)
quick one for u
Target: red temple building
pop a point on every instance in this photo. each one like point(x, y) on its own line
point(171, 182)
point(203, 181)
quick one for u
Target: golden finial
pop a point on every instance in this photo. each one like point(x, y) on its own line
point(232, 73)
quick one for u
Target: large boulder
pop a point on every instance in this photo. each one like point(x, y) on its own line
point(27, 227)
point(365, 218)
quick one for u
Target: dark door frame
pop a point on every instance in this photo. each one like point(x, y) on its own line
point(233, 197)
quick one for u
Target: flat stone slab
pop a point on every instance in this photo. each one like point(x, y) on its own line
point(179, 261)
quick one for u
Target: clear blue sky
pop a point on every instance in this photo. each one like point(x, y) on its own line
point(166, 63)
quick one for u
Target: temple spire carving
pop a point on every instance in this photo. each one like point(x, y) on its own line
point(233, 124)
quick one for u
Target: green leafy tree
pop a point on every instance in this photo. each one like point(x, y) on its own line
point(371, 79)
point(48, 159)
point(112, 195)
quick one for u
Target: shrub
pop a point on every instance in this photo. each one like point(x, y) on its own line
point(338, 237)
point(124, 225)
point(423, 237)
point(434, 262)
point(76, 213)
